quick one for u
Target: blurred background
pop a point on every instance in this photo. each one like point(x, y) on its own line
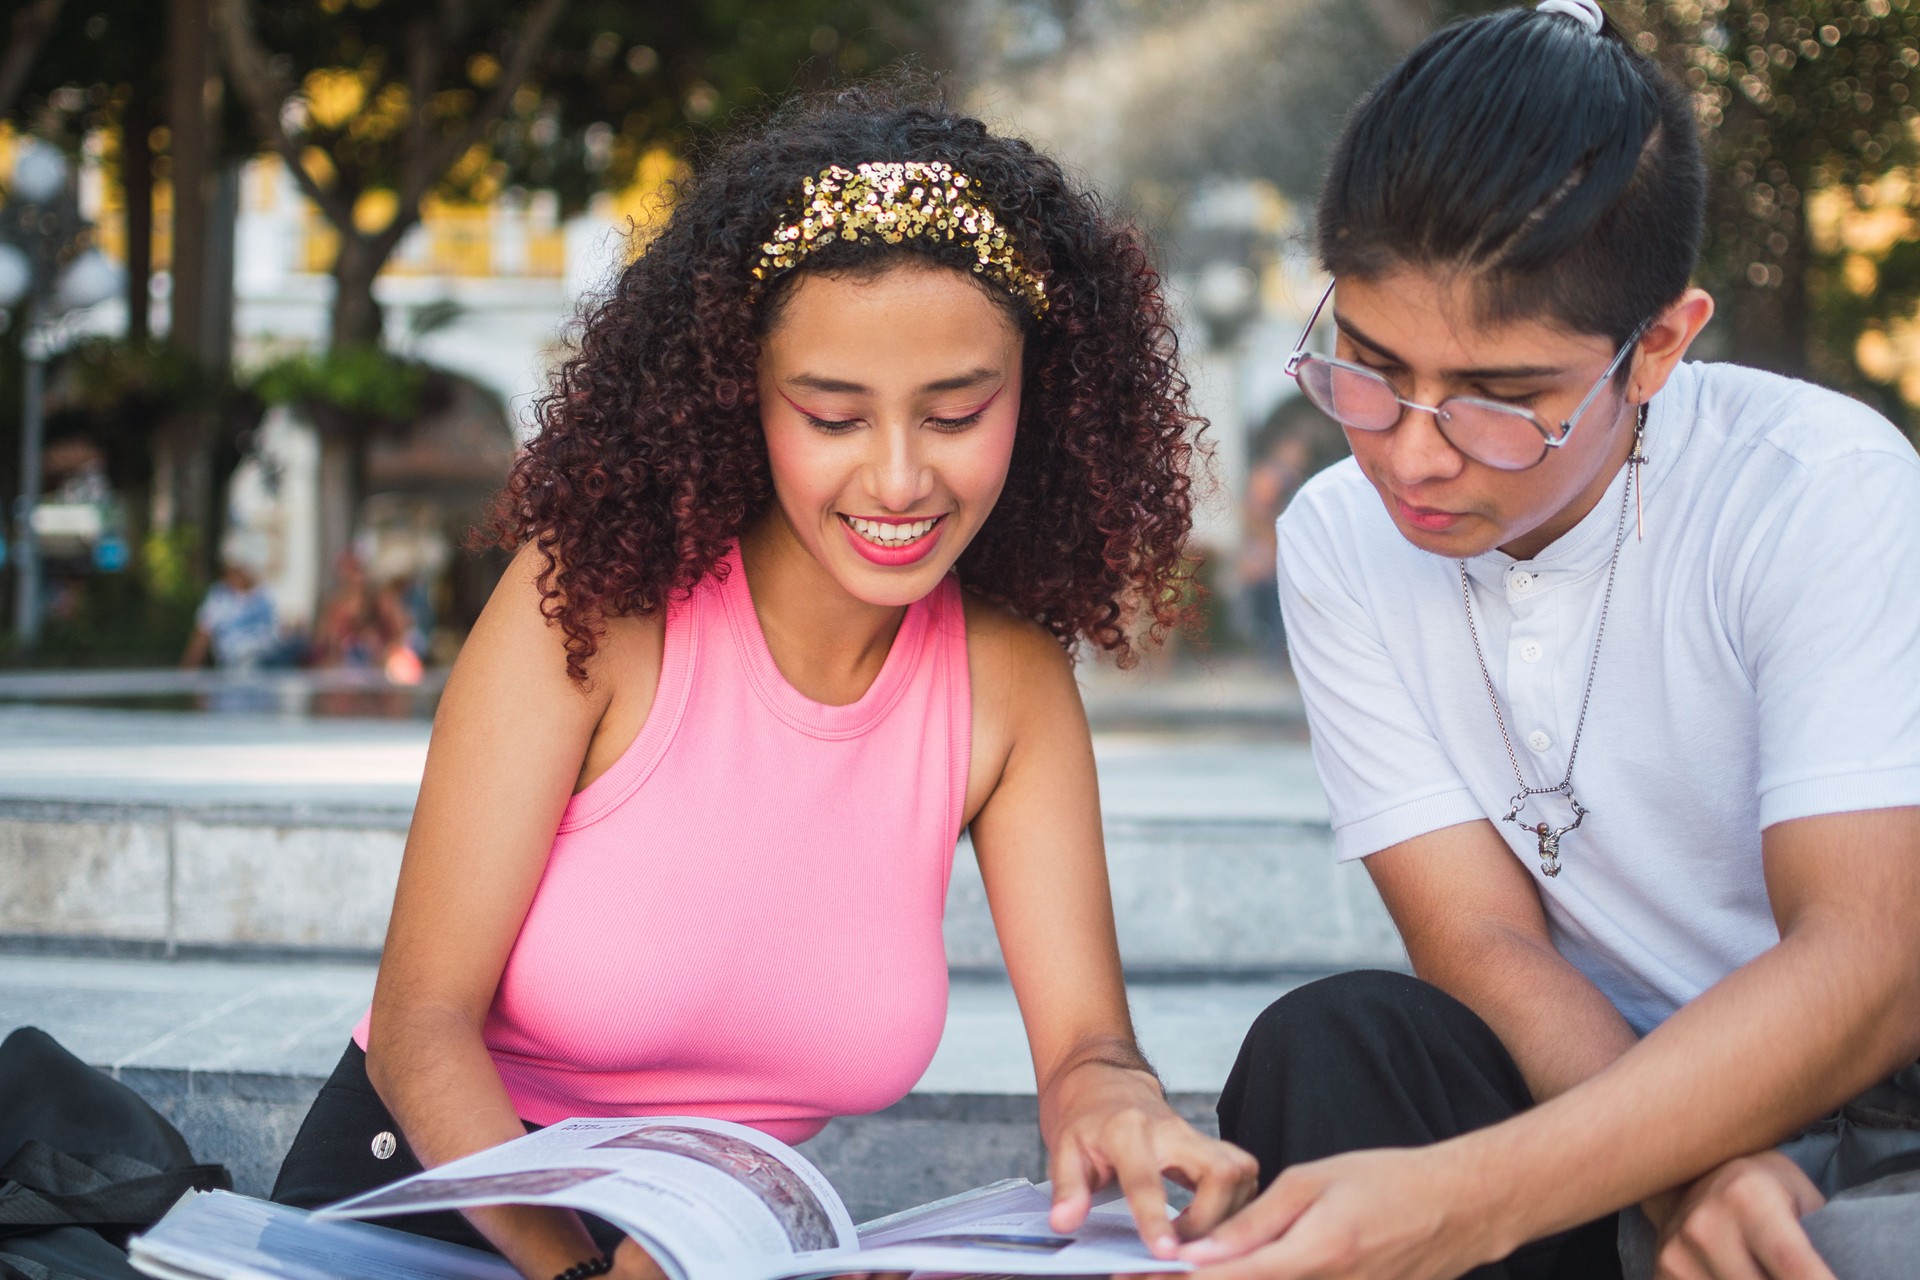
point(281, 277)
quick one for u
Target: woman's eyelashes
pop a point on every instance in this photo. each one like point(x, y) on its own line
point(840, 426)
point(957, 424)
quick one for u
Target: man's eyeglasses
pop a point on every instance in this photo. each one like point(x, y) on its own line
point(1504, 436)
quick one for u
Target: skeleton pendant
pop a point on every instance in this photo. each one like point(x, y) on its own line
point(1548, 836)
point(1549, 849)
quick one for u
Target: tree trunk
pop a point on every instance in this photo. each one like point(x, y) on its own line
point(183, 466)
point(136, 179)
point(356, 316)
point(182, 474)
point(216, 297)
point(341, 479)
point(188, 65)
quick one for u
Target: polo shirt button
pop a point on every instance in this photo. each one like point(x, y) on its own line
point(1538, 740)
point(1531, 651)
point(1520, 580)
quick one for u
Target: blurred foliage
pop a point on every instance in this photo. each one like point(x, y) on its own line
point(137, 618)
point(107, 377)
point(1799, 100)
point(121, 398)
point(1808, 110)
point(613, 80)
point(376, 100)
point(101, 54)
point(167, 561)
point(364, 381)
point(118, 395)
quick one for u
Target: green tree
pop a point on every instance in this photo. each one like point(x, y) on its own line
point(374, 105)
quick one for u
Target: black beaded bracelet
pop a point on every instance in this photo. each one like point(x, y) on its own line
point(587, 1270)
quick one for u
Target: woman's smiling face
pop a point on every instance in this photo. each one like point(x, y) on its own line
point(1417, 329)
point(889, 403)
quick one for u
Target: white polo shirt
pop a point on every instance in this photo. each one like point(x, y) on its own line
point(1761, 663)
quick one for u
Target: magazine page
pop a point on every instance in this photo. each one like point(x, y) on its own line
point(703, 1196)
point(217, 1235)
point(1001, 1230)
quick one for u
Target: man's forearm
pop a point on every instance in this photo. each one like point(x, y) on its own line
point(1555, 1023)
point(1779, 1042)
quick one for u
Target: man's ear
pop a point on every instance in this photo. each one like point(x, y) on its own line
point(1665, 343)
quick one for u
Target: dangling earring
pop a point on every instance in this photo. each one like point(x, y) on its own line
point(1634, 459)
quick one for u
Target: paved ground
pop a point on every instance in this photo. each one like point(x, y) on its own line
point(233, 1053)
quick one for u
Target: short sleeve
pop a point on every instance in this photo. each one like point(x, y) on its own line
point(208, 616)
point(1827, 613)
point(1386, 776)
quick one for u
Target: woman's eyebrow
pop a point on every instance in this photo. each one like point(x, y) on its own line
point(840, 386)
point(1500, 373)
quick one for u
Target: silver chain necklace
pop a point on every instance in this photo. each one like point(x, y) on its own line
point(1549, 836)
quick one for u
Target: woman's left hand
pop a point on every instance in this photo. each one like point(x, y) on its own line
point(1114, 1125)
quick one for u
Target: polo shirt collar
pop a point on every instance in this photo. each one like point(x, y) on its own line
point(1586, 548)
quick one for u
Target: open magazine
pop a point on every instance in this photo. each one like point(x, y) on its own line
point(709, 1200)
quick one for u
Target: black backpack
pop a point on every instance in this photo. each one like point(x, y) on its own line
point(84, 1163)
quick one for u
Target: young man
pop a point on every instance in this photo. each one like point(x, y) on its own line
point(1610, 662)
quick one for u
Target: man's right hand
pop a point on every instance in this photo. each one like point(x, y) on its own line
point(1742, 1222)
point(1419, 1213)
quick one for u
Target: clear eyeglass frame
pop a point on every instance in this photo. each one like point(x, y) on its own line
point(1506, 437)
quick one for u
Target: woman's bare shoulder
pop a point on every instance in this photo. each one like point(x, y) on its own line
point(1026, 702)
point(517, 643)
point(1018, 668)
point(1001, 642)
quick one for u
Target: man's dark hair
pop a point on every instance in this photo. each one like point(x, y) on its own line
point(1557, 168)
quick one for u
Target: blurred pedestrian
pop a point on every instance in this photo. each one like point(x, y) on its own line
point(237, 622)
point(353, 629)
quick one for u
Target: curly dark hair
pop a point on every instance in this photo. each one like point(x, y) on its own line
point(650, 460)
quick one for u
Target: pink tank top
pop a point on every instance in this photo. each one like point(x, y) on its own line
point(741, 919)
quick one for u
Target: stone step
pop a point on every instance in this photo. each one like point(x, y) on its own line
point(178, 833)
point(233, 1052)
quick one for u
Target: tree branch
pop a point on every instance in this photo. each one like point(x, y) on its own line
point(423, 76)
point(31, 26)
point(533, 37)
point(250, 71)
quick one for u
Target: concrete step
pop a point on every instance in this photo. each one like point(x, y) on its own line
point(233, 1053)
point(180, 833)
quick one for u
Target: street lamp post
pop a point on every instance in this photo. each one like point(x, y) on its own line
point(43, 261)
point(26, 541)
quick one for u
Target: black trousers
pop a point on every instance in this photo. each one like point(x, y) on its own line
point(349, 1143)
point(1375, 1059)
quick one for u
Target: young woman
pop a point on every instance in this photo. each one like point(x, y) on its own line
point(1608, 660)
point(883, 422)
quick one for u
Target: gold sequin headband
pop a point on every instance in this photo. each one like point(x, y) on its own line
point(896, 201)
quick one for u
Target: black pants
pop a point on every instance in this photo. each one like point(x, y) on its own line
point(1374, 1059)
point(338, 1153)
